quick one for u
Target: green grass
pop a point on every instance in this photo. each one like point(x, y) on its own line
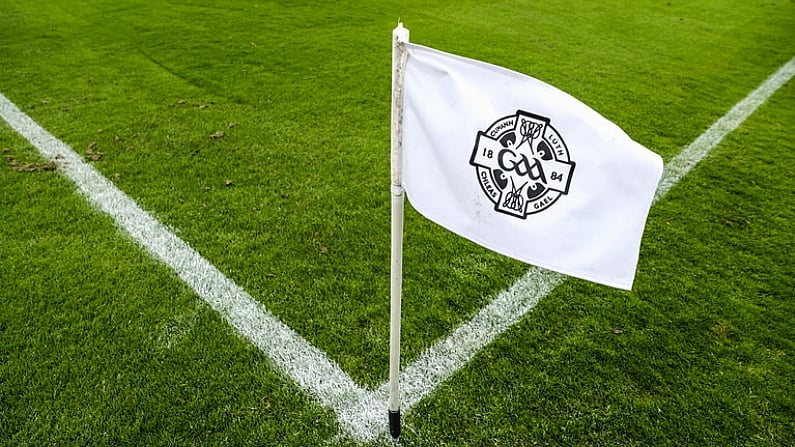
point(101, 345)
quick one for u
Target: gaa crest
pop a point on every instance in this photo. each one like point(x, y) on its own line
point(522, 164)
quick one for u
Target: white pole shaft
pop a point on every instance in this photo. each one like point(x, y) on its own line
point(395, 292)
point(399, 35)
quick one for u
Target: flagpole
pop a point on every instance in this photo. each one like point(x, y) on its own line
point(399, 36)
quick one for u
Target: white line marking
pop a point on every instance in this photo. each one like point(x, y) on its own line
point(361, 412)
point(291, 353)
point(680, 165)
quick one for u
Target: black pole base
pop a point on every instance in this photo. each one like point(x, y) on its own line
point(394, 425)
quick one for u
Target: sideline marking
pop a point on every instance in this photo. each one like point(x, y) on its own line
point(290, 352)
point(361, 412)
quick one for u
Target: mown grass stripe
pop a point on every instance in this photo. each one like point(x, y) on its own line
point(361, 413)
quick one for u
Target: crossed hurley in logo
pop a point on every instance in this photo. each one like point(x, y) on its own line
point(522, 164)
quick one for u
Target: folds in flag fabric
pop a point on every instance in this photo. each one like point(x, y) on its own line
point(523, 168)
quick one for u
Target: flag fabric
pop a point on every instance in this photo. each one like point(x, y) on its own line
point(523, 168)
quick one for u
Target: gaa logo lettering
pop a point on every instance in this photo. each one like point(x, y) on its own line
point(522, 164)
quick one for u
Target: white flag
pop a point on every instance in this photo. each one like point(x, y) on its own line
point(523, 168)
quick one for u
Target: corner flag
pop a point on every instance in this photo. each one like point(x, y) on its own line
point(515, 165)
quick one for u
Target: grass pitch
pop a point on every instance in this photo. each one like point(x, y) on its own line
point(259, 132)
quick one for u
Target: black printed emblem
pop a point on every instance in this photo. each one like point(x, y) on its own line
point(522, 164)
